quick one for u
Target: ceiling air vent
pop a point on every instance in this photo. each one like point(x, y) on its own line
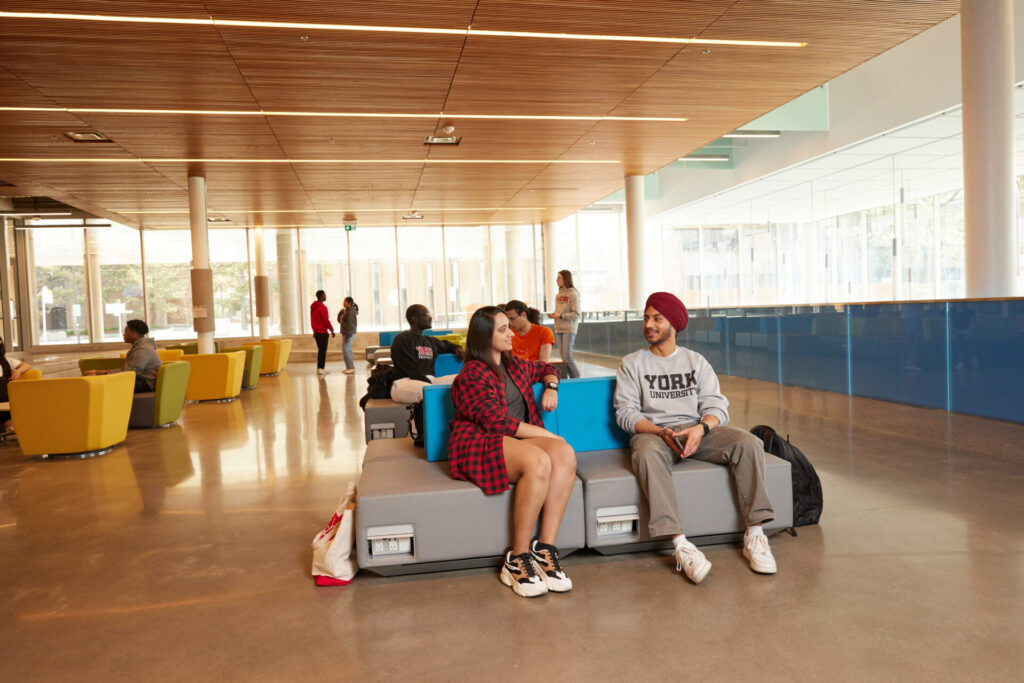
point(441, 140)
point(86, 136)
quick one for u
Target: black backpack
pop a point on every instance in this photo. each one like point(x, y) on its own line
point(807, 496)
point(378, 384)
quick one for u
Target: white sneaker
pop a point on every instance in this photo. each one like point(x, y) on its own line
point(758, 554)
point(519, 573)
point(692, 562)
point(546, 562)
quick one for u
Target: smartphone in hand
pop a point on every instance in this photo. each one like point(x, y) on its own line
point(676, 443)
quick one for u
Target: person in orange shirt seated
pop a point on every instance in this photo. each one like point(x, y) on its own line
point(532, 342)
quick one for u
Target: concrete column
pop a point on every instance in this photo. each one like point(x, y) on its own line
point(547, 232)
point(635, 239)
point(987, 83)
point(513, 265)
point(261, 286)
point(202, 276)
point(94, 285)
point(287, 286)
point(7, 296)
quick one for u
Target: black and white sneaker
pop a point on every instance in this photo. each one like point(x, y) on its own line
point(545, 557)
point(519, 574)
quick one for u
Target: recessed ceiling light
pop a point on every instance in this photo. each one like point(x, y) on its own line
point(413, 216)
point(441, 140)
point(212, 219)
point(391, 29)
point(86, 136)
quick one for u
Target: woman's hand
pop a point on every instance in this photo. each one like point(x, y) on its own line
point(548, 400)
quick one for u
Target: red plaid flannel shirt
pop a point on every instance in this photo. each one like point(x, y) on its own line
point(475, 451)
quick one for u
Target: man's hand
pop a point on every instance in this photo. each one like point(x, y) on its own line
point(548, 400)
point(693, 435)
point(460, 353)
point(332, 335)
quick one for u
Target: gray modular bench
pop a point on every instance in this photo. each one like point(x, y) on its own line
point(385, 419)
point(616, 509)
point(413, 517)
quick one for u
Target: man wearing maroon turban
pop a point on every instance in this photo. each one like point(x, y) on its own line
point(669, 399)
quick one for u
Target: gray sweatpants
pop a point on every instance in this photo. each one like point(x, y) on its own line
point(741, 451)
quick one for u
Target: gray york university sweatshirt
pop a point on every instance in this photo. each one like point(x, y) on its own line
point(667, 391)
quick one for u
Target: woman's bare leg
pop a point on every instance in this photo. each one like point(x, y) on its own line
point(563, 476)
point(529, 468)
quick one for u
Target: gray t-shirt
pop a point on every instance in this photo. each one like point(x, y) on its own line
point(513, 398)
point(667, 391)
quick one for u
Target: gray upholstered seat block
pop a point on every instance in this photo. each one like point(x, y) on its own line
point(449, 520)
point(706, 495)
point(385, 419)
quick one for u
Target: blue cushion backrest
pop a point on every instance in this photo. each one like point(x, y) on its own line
point(386, 338)
point(438, 411)
point(586, 416)
point(446, 364)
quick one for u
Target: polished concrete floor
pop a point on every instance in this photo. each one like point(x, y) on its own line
point(184, 555)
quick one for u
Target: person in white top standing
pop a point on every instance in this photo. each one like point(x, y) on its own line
point(669, 399)
point(567, 319)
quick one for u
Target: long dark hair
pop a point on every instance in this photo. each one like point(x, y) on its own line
point(4, 365)
point(566, 279)
point(479, 339)
point(352, 301)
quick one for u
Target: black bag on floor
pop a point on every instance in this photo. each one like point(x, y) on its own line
point(807, 495)
point(416, 423)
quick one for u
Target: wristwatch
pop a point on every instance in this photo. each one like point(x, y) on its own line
point(553, 386)
point(707, 429)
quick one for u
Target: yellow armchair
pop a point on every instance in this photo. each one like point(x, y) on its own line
point(215, 376)
point(275, 354)
point(166, 355)
point(92, 417)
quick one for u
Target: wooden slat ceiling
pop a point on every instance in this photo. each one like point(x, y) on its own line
point(72, 64)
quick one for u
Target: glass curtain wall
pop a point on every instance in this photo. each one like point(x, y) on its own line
point(468, 251)
point(375, 278)
point(421, 272)
point(325, 266)
point(231, 277)
point(168, 257)
point(117, 251)
point(57, 286)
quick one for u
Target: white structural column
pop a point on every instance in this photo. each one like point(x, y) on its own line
point(94, 283)
point(547, 234)
point(987, 83)
point(288, 288)
point(261, 285)
point(202, 276)
point(635, 238)
point(513, 264)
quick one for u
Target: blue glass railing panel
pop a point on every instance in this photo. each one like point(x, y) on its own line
point(986, 358)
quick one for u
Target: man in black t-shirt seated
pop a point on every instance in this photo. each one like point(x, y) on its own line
point(413, 355)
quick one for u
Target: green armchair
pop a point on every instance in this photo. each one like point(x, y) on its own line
point(163, 406)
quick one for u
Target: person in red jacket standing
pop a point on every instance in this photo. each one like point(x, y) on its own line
point(320, 321)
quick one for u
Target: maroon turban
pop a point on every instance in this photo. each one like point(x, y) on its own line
point(670, 307)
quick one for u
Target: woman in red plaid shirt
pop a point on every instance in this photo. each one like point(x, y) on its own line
point(498, 438)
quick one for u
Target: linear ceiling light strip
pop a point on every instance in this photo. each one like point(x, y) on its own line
point(268, 211)
point(345, 114)
point(87, 160)
point(393, 29)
